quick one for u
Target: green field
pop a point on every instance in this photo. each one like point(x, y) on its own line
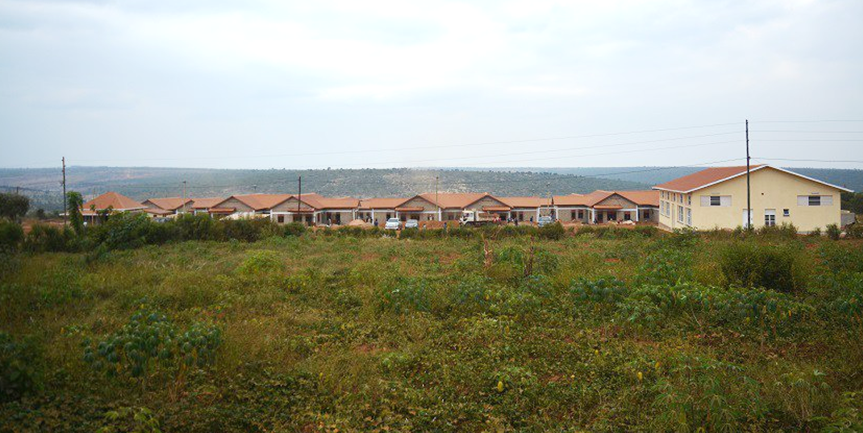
point(604, 331)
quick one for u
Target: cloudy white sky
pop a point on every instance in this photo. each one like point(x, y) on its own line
point(276, 84)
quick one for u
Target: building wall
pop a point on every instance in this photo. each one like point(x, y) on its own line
point(485, 201)
point(565, 214)
point(771, 189)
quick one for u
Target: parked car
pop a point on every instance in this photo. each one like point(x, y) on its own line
point(412, 224)
point(392, 224)
point(544, 221)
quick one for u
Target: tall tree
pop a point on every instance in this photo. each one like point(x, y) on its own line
point(75, 201)
point(13, 206)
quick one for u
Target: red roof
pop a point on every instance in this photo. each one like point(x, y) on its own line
point(449, 200)
point(259, 201)
point(381, 203)
point(206, 203)
point(704, 178)
point(642, 198)
point(113, 200)
point(168, 203)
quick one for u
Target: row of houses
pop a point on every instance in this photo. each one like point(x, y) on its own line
point(314, 209)
point(712, 198)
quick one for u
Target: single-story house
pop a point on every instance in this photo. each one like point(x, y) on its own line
point(607, 206)
point(312, 208)
point(100, 208)
point(527, 208)
point(247, 205)
point(203, 205)
point(167, 206)
point(716, 198)
point(378, 209)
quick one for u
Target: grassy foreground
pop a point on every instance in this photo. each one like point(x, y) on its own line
point(335, 333)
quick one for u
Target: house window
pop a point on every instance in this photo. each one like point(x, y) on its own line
point(715, 200)
point(646, 215)
point(769, 217)
point(389, 215)
point(626, 216)
point(814, 200)
point(689, 199)
point(688, 217)
point(680, 213)
point(786, 212)
point(281, 219)
point(572, 215)
point(580, 214)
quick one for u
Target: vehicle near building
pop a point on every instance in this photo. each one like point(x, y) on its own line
point(544, 221)
point(412, 224)
point(478, 218)
point(392, 224)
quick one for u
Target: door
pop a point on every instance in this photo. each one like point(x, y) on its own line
point(747, 215)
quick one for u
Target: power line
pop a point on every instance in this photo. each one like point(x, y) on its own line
point(807, 121)
point(810, 132)
point(811, 160)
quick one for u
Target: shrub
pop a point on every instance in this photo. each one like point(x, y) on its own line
point(554, 231)
point(148, 342)
point(263, 261)
point(47, 238)
point(749, 264)
point(195, 227)
point(666, 266)
point(833, 232)
point(782, 231)
point(11, 235)
point(294, 229)
point(17, 368)
point(839, 257)
point(13, 206)
point(407, 294)
point(601, 294)
point(854, 231)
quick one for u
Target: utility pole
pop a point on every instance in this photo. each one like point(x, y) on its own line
point(65, 210)
point(748, 192)
point(299, 195)
point(436, 201)
point(184, 196)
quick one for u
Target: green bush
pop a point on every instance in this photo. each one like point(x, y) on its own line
point(17, 368)
point(554, 231)
point(854, 231)
point(195, 227)
point(150, 342)
point(834, 232)
point(47, 238)
point(406, 295)
point(263, 261)
point(11, 235)
point(294, 229)
point(601, 294)
point(666, 266)
point(751, 264)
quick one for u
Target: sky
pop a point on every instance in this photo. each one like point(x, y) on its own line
point(350, 84)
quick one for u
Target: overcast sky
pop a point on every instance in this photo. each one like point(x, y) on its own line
point(315, 84)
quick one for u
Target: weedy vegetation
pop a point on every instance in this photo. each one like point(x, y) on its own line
point(204, 326)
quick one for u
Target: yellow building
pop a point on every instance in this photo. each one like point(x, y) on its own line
point(716, 198)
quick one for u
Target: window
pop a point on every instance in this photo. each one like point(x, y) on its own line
point(626, 216)
point(646, 215)
point(769, 217)
point(680, 213)
point(572, 215)
point(281, 219)
point(689, 199)
point(814, 200)
point(688, 217)
point(715, 200)
point(786, 212)
point(580, 214)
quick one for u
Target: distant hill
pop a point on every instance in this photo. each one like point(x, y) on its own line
point(852, 179)
point(43, 185)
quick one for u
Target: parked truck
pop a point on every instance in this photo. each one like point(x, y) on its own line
point(477, 218)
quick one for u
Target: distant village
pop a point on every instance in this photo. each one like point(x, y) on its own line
point(714, 198)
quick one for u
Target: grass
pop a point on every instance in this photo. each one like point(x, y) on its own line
point(336, 333)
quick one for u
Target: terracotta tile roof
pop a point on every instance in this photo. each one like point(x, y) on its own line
point(168, 203)
point(525, 202)
point(260, 201)
point(381, 203)
point(158, 211)
point(581, 199)
point(448, 200)
point(206, 203)
point(114, 200)
point(705, 177)
point(641, 198)
point(338, 203)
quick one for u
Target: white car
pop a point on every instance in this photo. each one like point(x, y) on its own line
point(392, 224)
point(412, 224)
point(544, 221)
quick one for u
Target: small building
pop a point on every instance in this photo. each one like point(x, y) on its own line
point(527, 209)
point(247, 205)
point(203, 205)
point(607, 206)
point(378, 209)
point(312, 208)
point(167, 206)
point(715, 198)
point(99, 209)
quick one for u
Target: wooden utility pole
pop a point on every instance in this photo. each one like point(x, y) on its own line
point(65, 210)
point(184, 196)
point(748, 192)
point(437, 202)
point(299, 195)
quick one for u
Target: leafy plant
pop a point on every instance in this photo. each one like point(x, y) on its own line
point(750, 264)
point(17, 368)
